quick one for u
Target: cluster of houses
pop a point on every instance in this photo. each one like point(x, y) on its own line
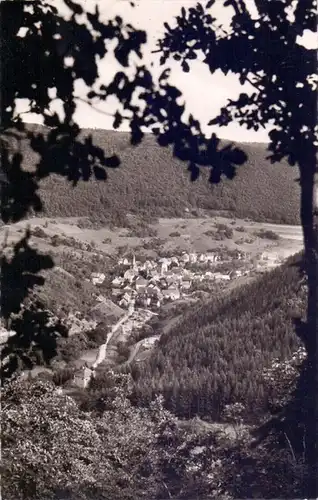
point(151, 283)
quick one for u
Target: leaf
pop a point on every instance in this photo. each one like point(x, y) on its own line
point(113, 161)
point(99, 173)
point(118, 120)
point(214, 121)
point(209, 4)
point(191, 55)
point(238, 156)
point(76, 8)
point(185, 66)
point(200, 8)
point(165, 74)
point(183, 12)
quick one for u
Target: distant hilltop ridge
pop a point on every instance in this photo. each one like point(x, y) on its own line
point(151, 180)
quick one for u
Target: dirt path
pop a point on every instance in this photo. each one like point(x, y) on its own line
point(103, 348)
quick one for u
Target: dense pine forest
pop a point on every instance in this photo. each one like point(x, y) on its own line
point(150, 180)
point(217, 353)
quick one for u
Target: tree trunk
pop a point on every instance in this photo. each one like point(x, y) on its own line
point(309, 220)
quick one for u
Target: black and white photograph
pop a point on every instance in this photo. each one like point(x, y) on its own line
point(159, 249)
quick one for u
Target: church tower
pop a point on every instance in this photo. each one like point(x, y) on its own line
point(134, 263)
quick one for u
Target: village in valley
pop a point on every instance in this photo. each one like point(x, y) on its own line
point(152, 283)
point(137, 288)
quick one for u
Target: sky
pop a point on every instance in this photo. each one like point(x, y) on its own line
point(149, 15)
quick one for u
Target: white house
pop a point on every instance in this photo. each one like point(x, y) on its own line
point(154, 291)
point(125, 300)
point(193, 258)
point(98, 278)
point(164, 260)
point(172, 293)
point(177, 271)
point(82, 378)
point(129, 275)
point(155, 275)
point(211, 257)
point(221, 277)
point(171, 280)
point(164, 267)
point(186, 285)
point(124, 262)
point(141, 284)
point(185, 258)
point(117, 281)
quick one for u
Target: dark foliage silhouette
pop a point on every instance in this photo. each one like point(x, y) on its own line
point(31, 322)
point(37, 62)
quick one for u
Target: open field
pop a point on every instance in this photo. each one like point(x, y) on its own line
point(188, 234)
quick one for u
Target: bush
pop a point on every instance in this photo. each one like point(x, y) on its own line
point(174, 234)
point(153, 244)
point(228, 232)
point(107, 241)
point(123, 350)
point(71, 348)
point(62, 376)
point(267, 234)
point(55, 241)
point(209, 233)
point(39, 233)
point(223, 232)
point(97, 336)
point(221, 227)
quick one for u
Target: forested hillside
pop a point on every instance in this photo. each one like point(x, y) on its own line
point(216, 354)
point(152, 181)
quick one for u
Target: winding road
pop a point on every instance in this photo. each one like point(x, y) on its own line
point(103, 348)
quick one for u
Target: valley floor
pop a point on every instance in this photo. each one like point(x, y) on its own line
point(175, 235)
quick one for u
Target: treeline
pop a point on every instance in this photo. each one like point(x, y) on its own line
point(216, 355)
point(151, 181)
